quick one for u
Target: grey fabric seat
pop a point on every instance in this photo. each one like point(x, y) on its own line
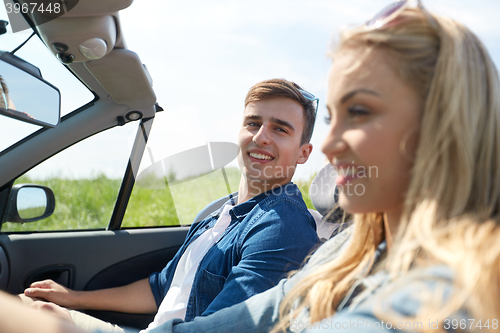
point(330, 218)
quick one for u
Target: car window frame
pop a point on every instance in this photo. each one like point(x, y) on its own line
point(127, 181)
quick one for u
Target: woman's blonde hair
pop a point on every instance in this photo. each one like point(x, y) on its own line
point(452, 206)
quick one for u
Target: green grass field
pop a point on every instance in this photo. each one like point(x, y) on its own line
point(89, 203)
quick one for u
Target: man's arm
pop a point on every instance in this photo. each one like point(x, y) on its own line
point(257, 314)
point(132, 298)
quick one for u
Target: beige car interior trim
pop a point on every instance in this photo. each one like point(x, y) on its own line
point(124, 78)
point(120, 71)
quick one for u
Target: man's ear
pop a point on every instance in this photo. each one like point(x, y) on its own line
point(305, 151)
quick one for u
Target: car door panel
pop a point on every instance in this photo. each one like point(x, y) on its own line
point(88, 259)
point(126, 272)
point(62, 274)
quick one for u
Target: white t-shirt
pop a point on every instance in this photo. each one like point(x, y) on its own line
point(175, 302)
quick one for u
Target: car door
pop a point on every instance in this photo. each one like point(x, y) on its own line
point(91, 240)
point(82, 255)
point(105, 231)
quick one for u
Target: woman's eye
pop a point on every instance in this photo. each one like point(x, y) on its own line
point(328, 119)
point(358, 110)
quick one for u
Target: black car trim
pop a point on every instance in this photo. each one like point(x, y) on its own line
point(141, 139)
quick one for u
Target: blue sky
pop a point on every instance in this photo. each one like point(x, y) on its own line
point(203, 57)
point(207, 54)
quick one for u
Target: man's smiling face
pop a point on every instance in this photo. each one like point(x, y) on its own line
point(269, 142)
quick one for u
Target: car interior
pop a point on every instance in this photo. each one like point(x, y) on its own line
point(123, 93)
point(90, 43)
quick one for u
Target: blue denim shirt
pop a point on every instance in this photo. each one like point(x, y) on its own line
point(269, 235)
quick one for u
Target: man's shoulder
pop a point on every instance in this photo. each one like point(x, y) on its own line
point(285, 204)
point(285, 195)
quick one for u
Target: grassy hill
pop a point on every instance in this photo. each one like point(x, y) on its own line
point(89, 203)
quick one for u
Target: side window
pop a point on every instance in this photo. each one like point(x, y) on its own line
point(74, 93)
point(85, 179)
point(177, 204)
point(174, 197)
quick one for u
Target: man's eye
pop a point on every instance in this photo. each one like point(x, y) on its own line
point(357, 110)
point(253, 124)
point(281, 129)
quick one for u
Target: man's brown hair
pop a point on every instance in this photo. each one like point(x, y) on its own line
point(282, 88)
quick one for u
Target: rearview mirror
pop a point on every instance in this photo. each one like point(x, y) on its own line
point(25, 95)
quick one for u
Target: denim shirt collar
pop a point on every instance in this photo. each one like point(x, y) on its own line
point(233, 199)
point(239, 211)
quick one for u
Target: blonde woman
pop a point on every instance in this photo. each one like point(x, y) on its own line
point(414, 109)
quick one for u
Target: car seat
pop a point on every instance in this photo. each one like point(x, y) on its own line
point(330, 218)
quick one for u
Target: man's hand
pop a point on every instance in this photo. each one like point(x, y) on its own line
point(132, 298)
point(52, 292)
point(53, 309)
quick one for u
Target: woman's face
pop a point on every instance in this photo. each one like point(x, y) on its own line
point(374, 117)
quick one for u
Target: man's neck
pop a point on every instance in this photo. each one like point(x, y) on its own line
point(249, 189)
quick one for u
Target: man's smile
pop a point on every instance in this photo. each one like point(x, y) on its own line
point(260, 156)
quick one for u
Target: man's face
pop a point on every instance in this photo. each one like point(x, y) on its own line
point(269, 142)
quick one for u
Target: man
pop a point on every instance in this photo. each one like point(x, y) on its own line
point(243, 248)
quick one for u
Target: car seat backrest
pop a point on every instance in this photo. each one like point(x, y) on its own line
point(324, 194)
point(212, 207)
point(322, 191)
point(325, 229)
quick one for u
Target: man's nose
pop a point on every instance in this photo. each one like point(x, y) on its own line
point(262, 137)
